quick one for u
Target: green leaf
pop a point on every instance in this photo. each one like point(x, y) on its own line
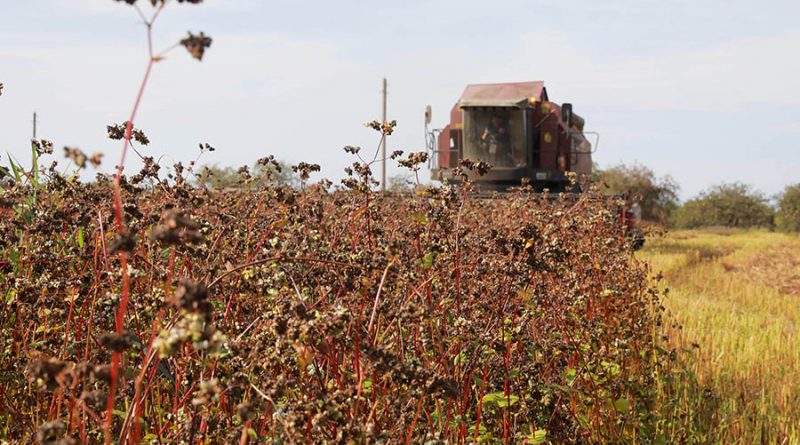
point(492, 397)
point(165, 372)
point(15, 169)
point(80, 237)
point(427, 261)
point(499, 399)
point(622, 405)
point(561, 388)
point(366, 386)
point(483, 433)
point(612, 368)
point(149, 437)
point(35, 162)
point(569, 375)
point(508, 401)
point(539, 436)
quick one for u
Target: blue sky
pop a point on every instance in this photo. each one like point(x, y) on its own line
point(704, 91)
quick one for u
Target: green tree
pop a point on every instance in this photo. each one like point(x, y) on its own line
point(728, 205)
point(788, 216)
point(256, 177)
point(658, 196)
point(400, 183)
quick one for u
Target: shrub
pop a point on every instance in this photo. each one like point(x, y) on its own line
point(733, 205)
point(788, 216)
point(658, 196)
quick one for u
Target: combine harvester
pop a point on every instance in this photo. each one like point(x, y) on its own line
point(524, 137)
point(515, 128)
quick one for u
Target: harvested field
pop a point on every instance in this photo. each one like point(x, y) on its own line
point(733, 295)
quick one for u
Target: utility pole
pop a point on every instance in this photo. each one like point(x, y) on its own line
point(383, 140)
point(34, 125)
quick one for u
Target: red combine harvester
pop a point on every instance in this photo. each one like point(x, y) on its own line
point(515, 128)
point(524, 136)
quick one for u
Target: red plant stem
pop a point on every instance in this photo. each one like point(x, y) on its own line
point(151, 357)
point(377, 299)
point(69, 319)
point(480, 405)
point(416, 416)
point(120, 222)
point(357, 365)
point(369, 225)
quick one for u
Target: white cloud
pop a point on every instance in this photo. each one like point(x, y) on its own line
point(732, 75)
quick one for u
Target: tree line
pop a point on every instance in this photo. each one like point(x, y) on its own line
point(735, 204)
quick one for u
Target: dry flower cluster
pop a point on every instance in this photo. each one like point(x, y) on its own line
point(323, 315)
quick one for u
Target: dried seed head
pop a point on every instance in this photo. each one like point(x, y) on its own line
point(197, 44)
point(192, 296)
point(414, 160)
point(102, 373)
point(124, 242)
point(94, 399)
point(42, 146)
point(77, 156)
point(479, 167)
point(96, 159)
point(175, 219)
point(177, 228)
point(385, 128)
point(118, 131)
point(304, 170)
point(115, 342)
point(208, 392)
point(51, 433)
point(246, 411)
point(447, 387)
point(48, 371)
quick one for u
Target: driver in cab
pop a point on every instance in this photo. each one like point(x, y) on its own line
point(496, 136)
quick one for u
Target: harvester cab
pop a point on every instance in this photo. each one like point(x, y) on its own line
point(525, 137)
point(515, 128)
